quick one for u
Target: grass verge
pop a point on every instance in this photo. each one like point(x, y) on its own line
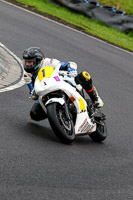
point(80, 22)
point(126, 5)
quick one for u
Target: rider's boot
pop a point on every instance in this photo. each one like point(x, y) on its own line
point(95, 97)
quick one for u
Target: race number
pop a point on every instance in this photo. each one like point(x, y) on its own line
point(45, 72)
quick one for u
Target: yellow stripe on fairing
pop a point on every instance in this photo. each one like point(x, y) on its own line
point(81, 104)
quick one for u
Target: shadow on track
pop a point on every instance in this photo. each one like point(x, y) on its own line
point(46, 133)
point(40, 131)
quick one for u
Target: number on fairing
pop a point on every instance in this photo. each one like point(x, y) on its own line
point(45, 72)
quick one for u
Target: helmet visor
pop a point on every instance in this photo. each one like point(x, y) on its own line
point(30, 62)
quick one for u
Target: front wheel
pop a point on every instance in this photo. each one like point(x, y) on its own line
point(101, 132)
point(62, 127)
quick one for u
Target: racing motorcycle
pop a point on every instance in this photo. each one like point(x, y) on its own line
point(68, 112)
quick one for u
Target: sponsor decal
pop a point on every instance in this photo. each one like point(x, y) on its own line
point(56, 78)
point(91, 129)
point(85, 127)
point(82, 124)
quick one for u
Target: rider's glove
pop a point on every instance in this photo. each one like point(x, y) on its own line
point(27, 77)
point(72, 71)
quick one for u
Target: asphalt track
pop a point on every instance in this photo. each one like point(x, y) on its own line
point(33, 163)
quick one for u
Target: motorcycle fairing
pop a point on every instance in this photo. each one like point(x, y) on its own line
point(45, 85)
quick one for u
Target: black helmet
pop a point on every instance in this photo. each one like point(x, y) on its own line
point(35, 55)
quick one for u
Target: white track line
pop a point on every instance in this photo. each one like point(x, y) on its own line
point(21, 82)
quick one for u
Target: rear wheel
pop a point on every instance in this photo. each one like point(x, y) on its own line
point(101, 132)
point(62, 127)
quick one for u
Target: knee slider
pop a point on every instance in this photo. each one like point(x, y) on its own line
point(84, 79)
point(86, 75)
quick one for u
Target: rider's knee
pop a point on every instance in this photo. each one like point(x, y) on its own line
point(84, 79)
point(37, 113)
point(34, 116)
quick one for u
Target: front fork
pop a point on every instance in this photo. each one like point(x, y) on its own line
point(66, 108)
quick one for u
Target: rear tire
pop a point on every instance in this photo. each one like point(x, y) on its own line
point(100, 134)
point(62, 128)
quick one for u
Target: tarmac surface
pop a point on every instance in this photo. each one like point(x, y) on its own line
point(34, 165)
point(10, 68)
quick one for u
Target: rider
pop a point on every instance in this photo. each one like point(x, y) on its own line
point(34, 60)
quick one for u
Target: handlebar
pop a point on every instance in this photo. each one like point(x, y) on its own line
point(66, 73)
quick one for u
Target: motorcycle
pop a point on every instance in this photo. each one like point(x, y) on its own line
point(68, 112)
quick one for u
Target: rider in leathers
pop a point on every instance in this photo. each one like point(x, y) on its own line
point(34, 60)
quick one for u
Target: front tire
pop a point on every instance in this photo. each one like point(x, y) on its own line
point(62, 128)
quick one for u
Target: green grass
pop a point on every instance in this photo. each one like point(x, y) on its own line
point(126, 5)
point(95, 28)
